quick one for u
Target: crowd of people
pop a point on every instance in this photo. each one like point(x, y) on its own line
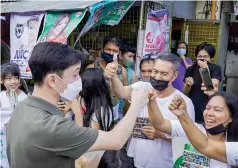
point(73, 112)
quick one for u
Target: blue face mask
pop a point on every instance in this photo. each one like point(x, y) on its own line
point(107, 57)
point(181, 52)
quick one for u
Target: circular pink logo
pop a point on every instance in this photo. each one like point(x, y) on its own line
point(149, 38)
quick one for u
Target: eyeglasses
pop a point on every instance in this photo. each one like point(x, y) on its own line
point(203, 56)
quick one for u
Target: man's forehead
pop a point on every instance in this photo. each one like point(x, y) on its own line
point(164, 66)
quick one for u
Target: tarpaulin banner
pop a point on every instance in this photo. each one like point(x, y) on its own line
point(58, 25)
point(107, 13)
point(156, 39)
point(24, 29)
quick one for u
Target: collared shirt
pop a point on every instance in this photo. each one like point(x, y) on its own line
point(39, 136)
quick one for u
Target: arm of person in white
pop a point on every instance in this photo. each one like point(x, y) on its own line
point(117, 137)
point(156, 118)
point(201, 142)
point(231, 152)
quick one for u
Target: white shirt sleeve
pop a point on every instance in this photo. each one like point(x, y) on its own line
point(177, 129)
point(141, 84)
point(232, 153)
point(136, 85)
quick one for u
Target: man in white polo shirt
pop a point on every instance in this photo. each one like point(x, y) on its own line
point(155, 152)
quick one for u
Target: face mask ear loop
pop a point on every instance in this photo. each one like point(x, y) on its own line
point(61, 80)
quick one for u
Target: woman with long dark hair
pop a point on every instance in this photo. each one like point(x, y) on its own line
point(96, 98)
point(220, 120)
point(223, 151)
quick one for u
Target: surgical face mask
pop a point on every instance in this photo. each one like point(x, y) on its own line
point(181, 52)
point(217, 129)
point(159, 85)
point(72, 89)
point(129, 63)
point(107, 57)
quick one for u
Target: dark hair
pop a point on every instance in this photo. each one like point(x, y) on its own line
point(148, 59)
point(51, 57)
point(110, 39)
point(14, 70)
point(169, 57)
point(207, 47)
point(127, 47)
point(232, 104)
point(10, 69)
point(115, 159)
point(183, 42)
point(96, 96)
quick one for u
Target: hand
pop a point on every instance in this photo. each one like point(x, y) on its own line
point(178, 106)
point(139, 97)
point(202, 64)
point(64, 107)
point(215, 83)
point(152, 94)
point(182, 57)
point(111, 68)
point(189, 81)
point(152, 133)
point(75, 106)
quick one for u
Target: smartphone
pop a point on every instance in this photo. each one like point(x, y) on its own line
point(206, 78)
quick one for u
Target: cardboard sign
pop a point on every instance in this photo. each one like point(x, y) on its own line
point(140, 123)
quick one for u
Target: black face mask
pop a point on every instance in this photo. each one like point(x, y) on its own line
point(107, 57)
point(217, 129)
point(159, 85)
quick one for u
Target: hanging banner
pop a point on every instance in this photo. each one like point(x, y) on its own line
point(156, 39)
point(107, 13)
point(24, 29)
point(59, 25)
point(235, 7)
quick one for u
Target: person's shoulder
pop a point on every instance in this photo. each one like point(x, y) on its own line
point(3, 94)
point(22, 96)
point(141, 84)
point(185, 97)
point(213, 66)
point(91, 65)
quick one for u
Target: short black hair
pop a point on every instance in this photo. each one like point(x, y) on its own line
point(207, 47)
point(115, 159)
point(110, 39)
point(9, 68)
point(147, 59)
point(127, 47)
point(51, 57)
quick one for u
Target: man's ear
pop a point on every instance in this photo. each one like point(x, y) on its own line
point(50, 80)
point(175, 75)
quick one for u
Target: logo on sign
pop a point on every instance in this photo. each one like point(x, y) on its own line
point(149, 37)
point(19, 29)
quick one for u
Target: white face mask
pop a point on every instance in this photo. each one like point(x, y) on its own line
point(72, 89)
point(181, 52)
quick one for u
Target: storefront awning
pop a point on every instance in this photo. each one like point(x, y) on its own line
point(45, 5)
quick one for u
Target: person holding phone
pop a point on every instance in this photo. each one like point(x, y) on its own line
point(193, 80)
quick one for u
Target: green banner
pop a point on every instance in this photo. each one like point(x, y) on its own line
point(106, 12)
point(58, 25)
